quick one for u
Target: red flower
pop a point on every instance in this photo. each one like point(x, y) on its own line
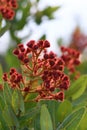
point(7, 8)
point(79, 40)
point(42, 72)
point(70, 57)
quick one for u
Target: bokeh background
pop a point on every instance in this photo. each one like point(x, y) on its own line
point(54, 20)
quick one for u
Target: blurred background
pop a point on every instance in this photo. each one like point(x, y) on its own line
point(62, 22)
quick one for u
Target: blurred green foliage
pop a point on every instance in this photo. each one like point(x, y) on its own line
point(26, 12)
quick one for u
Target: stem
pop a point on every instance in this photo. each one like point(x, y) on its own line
point(28, 67)
point(0, 21)
point(13, 128)
point(19, 113)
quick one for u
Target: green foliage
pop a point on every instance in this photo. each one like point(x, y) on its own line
point(63, 111)
point(77, 88)
point(23, 17)
point(48, 12)
point(11, 60)
point(45, 119)
point(4, 29)
point(3, 125)
point(83, 125)
point(83, 67)
point(17, 102)
point(20, 113)
point(72, 121)
point(10, 117)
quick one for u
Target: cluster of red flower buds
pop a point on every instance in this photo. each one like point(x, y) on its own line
point(43, 72)
point(14, 80)
point(79, 40)
point(71, 58)
point(7, 8)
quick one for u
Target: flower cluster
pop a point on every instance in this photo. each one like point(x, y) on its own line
point(14, 80)
point(79, 40)
point(70, 57)
point(7, 8)
point(42, 72)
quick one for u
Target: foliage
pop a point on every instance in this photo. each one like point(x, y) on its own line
point(44, 92)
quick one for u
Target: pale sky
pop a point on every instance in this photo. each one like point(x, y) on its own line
point(71, 14)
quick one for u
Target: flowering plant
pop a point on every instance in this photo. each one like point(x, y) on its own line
point(38, 89)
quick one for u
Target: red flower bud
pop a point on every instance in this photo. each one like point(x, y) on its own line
point(31, 43)
point(59, 96)
point(26, 60)
point(46, 44)
point(16, 52)
point(20, 56)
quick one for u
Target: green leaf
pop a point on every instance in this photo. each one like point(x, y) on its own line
point(7, 94)
point(37, 122)
point(81, 101)
point(52, 106)
point(83, 67)
point(45, 119)
point(43, 37)
point(25, 13)
point(50, 10)
point(3, 123)
point(21, 104)
point(2, 102)
point(8, 112)
point(64, 109)
point(10, 116)
point(77, 88)
point(72, 121)
point(38, 17)
point(4, 29)
point(11, 59)
point(83, 123)
point(29, 115)
point(17, 101)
